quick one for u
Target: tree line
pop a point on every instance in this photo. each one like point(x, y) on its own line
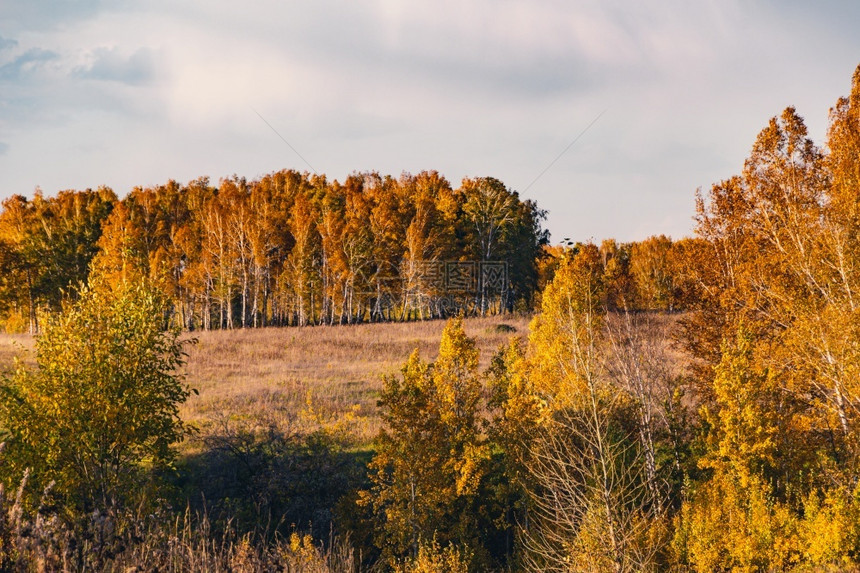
point(295, 249)
point(287, 249)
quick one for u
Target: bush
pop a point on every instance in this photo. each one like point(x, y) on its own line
point(98, 416)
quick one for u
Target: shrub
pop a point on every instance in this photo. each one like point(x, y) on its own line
point(98, 416)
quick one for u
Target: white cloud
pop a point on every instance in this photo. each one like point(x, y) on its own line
point(137, 92)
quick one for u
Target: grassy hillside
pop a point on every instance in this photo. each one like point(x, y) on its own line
point(270, 374)
point(274, 377)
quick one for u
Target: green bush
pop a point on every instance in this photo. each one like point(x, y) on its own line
point(98, 416)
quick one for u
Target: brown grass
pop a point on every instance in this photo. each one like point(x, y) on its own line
point(280, 377)
point(272, 375)
point(15, 346)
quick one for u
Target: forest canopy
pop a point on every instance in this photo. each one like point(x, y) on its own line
point(295, 249)
point(288, 248)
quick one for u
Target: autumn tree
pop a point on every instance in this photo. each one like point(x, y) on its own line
point(230, 256)
point(493, 218)
point(422, 240)
point(740, 518)
point(300, 263)
point(332, 255)
point(590, 507)
point(430, 456)
point(269, 241)
point(490, 210)
point(776, 333)
point(521, 250)
point(98, 416)
point(651, 267)
point(19, 267)
point(47, 246)
point(357, 247)
point(193, 277)
point(388, 225)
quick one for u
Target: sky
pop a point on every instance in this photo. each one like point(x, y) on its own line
point(608, 114)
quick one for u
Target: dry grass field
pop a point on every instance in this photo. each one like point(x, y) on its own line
point(282, 376)
point(274, 375)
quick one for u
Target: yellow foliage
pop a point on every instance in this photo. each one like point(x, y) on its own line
point(432, 558)
point(564, 338)
point(830, 530)
point(303, 549)
point(15, 322)
point(779, 395)
point(727, 526)
point(100, 411)
point(746, 423)
point(430, 456)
